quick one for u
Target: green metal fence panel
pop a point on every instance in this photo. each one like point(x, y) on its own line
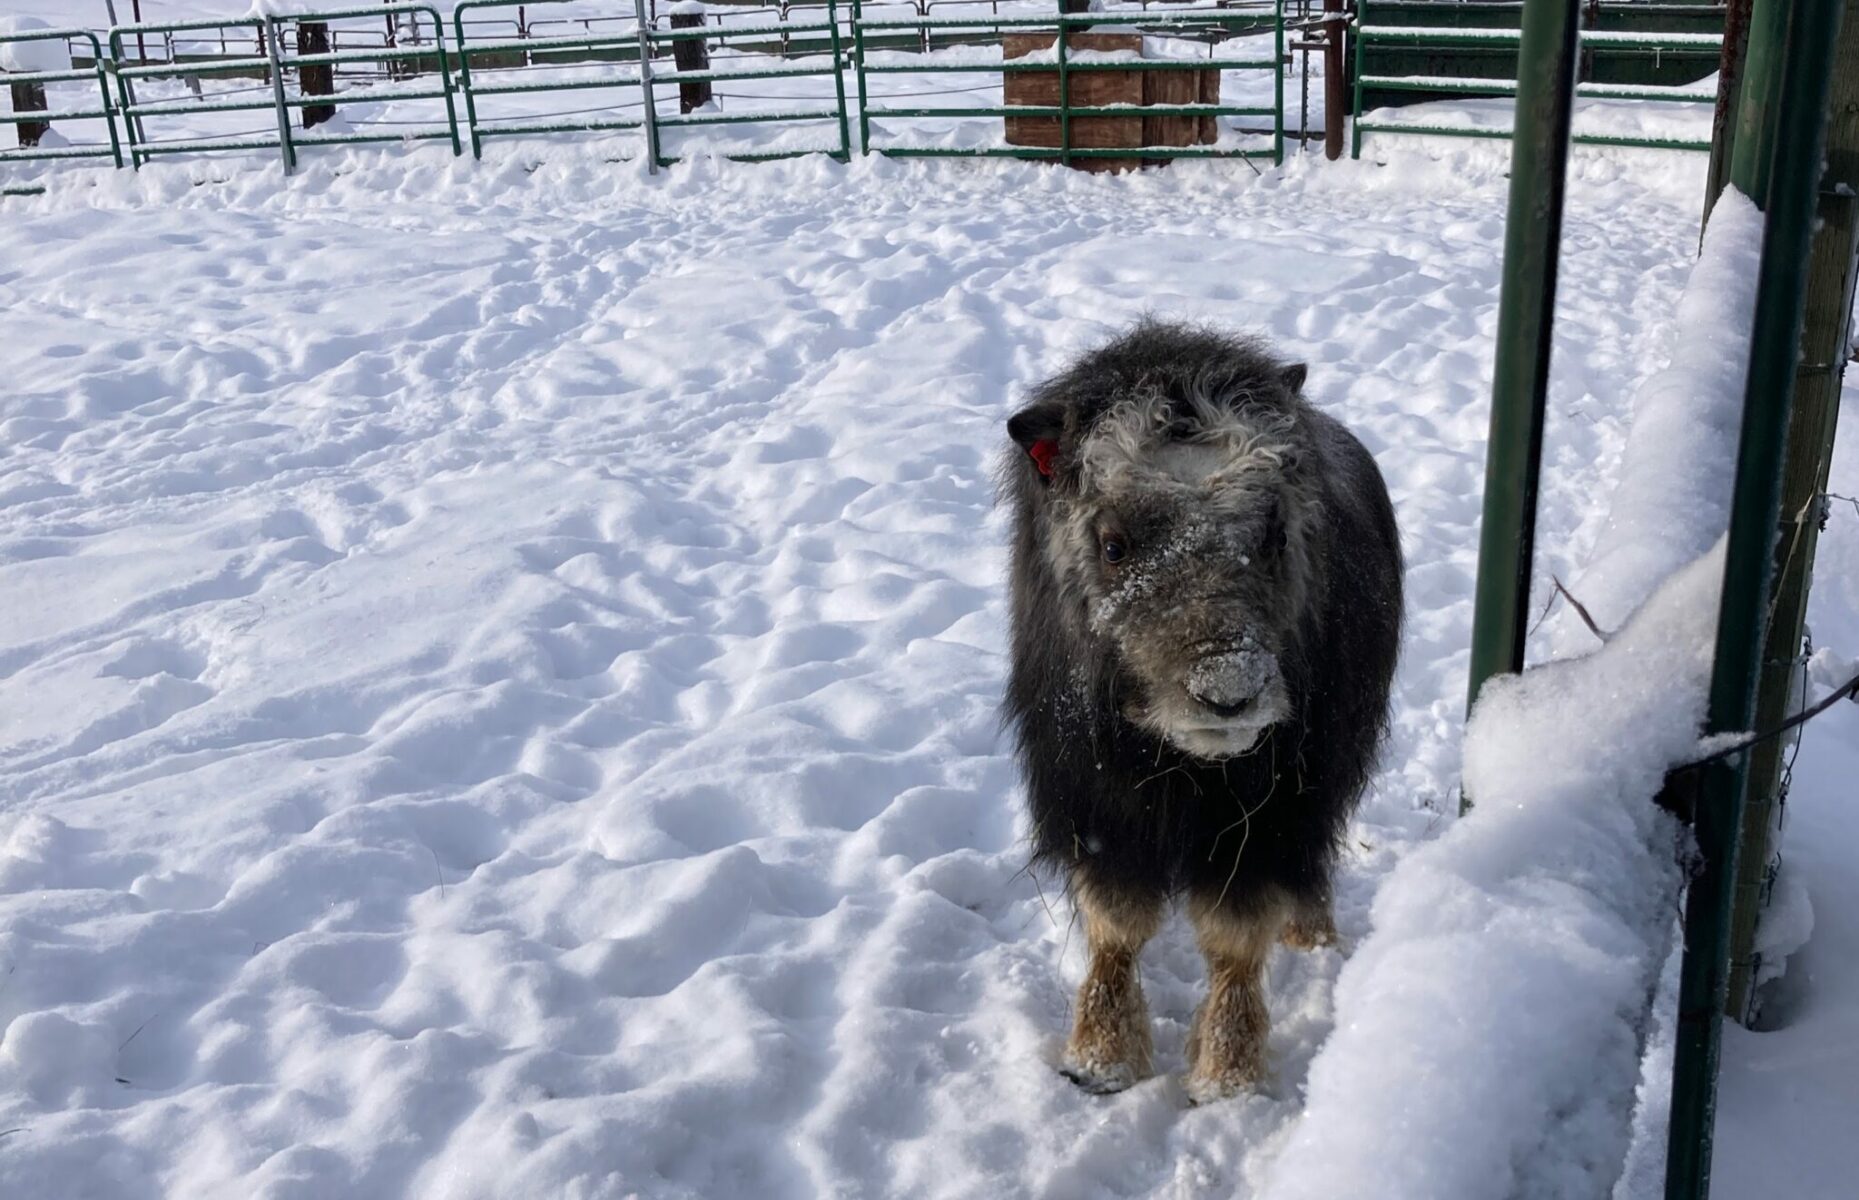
point(824, 31)
point(634, 50)
point(1218, 26)
point(275, 63)
point(253, 64)
point(1416, 51)
point(96, 73)
point(500, 57)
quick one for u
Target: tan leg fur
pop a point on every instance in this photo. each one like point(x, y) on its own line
point(1310, 928)
point(1110, 1044)
point(1226, 1048)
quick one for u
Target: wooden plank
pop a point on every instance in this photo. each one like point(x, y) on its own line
point(1088, 89)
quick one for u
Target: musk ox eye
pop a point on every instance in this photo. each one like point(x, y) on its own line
point(1114, 550)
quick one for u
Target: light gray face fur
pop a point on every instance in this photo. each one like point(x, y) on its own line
point(1197, 505)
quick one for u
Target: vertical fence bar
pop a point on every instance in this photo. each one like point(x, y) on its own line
point(1334, 78)
point(1751, 150)
point(109, 108)
point(1065, 96)
point(839, 79)
point(286, 150)
point(1278, 82)
point(464, 80)
point(1729, 85)
point(1811, 426)
point(1796, 77)
point(125, 102)
point(858, 64)
point(1546, 63)
point(445, 81)
point(645, 84)
point(1355, 122)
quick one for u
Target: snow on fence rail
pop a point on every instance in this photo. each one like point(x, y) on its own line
point(408, 74)
point(1490, 1030)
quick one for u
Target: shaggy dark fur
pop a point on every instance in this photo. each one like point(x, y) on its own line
point(1128, 816)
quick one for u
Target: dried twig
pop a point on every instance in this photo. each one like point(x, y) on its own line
point(1848, 689)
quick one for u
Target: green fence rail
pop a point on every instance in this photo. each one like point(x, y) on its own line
point(497, 58)
point(754, 36)
point(93, 73)
point(1217, 26)
point(275, 63)
point(464, 77)
point(1416, 50)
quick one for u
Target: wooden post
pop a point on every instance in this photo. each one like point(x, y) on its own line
point(1335, 79)
point(315, 80)
point(1808, 455)
point(30, 97)
point(690, 54)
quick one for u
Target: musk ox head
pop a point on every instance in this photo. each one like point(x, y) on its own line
point(1162, 479)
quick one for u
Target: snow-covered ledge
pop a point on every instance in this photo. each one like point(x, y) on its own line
point(1490, 1029)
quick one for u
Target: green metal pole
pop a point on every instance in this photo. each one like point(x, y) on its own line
point(464, 80)
point(109, 106)
point(858, 51)
point(1065, 97)
point(1355, 125)
point(839, 79)
point(1794, 132)
point(1546, 62)
point(1752, 148)
point(1278, 83)
point(445, 80)
point(268, 28)
point(1812, 422)
point(126, 101)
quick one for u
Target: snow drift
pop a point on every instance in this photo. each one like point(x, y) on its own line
point(1489, 1032)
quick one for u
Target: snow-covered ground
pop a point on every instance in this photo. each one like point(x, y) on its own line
point(498, 674)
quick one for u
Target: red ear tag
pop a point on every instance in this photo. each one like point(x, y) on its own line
point(1042, 453)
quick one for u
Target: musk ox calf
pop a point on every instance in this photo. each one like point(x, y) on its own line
point(1206, 614)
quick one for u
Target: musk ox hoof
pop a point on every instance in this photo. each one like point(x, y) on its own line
point(1311, 933)
point(1099, 1079)
point(1210, 1089)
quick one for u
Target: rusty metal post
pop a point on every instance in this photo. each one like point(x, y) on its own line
point(1335, 79)
point(690, 54)
point(316, 79)
point(30, 97)
point(1729, 89)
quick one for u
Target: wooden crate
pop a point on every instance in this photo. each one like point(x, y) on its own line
point(1088, 89)
point(1093, 88)
point(1171, 87)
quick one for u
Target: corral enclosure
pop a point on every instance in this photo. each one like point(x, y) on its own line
point(748, 81)
point(500, 672)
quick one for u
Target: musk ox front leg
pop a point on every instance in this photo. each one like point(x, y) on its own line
point(1311, 926)
point(1226, 1047)
point(1110, 1044)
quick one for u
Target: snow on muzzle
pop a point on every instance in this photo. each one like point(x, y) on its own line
point(1233, 694)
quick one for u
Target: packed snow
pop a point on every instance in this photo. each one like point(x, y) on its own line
point(498, 694)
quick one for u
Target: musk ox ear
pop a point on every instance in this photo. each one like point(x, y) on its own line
point(1293, 377)
point(1037, 429)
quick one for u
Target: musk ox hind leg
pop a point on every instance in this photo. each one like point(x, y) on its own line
point(1226, 1046)
point(1110, 1044)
